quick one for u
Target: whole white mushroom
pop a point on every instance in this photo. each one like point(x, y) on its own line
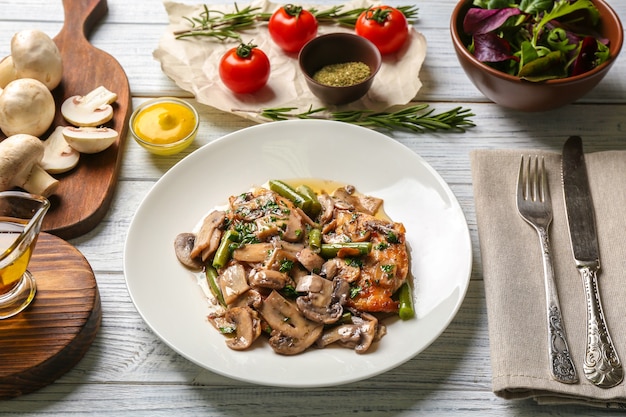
point(20, 158)
point(33, 55)
point(26, 106)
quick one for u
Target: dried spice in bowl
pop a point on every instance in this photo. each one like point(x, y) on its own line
point(343, 74)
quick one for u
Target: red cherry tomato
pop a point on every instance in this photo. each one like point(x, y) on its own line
point(244, 69)
point(385, 26)
point(291, 27)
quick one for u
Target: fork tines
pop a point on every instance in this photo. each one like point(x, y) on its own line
point(533, 188)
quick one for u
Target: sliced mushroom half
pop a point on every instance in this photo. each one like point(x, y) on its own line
point(92, 109)
point(58, 155)
point(253, 252)
point(358, 335)
point(241, 325)
point(89, 139)
point(346, 199)
point(268, 278)
point(209, 235)
point(233, 282)
point(325, 299)
point(292, 333)
point(183, 245)
point(310, 260)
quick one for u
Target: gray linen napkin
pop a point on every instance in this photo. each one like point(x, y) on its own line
point(513, 275)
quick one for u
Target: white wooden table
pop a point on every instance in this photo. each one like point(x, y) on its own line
point(129, 372)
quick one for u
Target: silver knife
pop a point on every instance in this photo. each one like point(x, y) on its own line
point(601, 366)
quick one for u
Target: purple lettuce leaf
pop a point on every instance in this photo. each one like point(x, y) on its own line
point(585, 61)
point(479, 21)
point(490, 48)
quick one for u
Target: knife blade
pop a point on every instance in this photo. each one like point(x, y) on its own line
point(601, 365)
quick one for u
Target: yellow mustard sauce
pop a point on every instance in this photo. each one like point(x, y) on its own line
point(163, 123)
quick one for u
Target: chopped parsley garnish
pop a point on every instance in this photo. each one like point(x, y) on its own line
point(354, 291)
point(354, 262)
point(392, 237)
point(285, 265)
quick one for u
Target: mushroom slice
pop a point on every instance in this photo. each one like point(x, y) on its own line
point(250, 298)
point(58, 156)
point(292, 333)
point(347, 200)
point(20, 156)
point(268, 278)
point(233, 282)
point(89, 139)
point(310, 260)
point(253, 252)
point(325, 299)
point(293, 227)
point(328, 207)
point(241, 324)
point(183, 244)
point(358, 335)
point(92, 109)
point(336, 267)
point(209, 235)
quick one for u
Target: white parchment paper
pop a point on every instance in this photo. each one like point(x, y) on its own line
point(192, 63)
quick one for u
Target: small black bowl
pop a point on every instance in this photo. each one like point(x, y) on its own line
point(337, 48)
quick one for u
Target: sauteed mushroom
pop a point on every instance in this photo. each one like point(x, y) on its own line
point(358, 335)
point(325, 299)
point(292, 333)
point(183, 245)
point(300, 271)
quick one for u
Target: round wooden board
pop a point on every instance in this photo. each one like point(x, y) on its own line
point(47, 339)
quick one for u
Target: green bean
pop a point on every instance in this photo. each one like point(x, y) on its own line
point(405, 298)
point(330, 250)
point(315, 240)
point(289, 193)
point(308, 193)
point(222, 255)
point(212, 278)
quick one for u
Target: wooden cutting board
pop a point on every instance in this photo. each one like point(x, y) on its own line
point(85, 193)
point(48, 339)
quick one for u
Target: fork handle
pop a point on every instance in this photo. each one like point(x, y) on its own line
point(602, 366)
point(562, 367)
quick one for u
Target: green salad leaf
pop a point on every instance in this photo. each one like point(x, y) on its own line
point(536, 40)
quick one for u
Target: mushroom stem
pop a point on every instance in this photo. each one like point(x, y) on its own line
point(40, 182)
point(20, 158)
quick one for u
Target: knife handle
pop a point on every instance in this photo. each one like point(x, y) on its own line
point(602, 366)
point(562, 367)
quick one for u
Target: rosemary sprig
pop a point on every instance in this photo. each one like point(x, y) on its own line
point(418, 118)
point(221, 26)
point(335, 15)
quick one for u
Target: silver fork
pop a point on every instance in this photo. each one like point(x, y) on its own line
point(535, 206)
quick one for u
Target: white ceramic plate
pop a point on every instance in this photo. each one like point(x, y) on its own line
point(172, 304)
